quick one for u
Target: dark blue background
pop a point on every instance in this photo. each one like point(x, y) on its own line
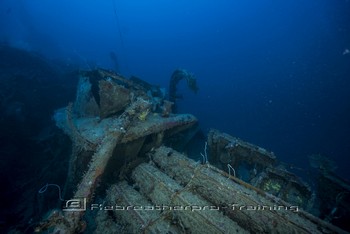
point(270, 72)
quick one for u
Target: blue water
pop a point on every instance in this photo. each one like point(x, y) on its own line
point(274, 73)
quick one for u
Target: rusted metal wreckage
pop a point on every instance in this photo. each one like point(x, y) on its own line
point(119, 128)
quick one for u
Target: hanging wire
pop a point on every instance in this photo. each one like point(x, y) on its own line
point(120, 36)
point(44, 188)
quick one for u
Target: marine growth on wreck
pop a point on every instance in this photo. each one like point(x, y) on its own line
point(129, 172)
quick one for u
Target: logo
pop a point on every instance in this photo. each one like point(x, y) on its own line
point(76, 204)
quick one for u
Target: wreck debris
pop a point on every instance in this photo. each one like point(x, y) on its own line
point(167, 108)
point(322, 163)
point(225, 149)
point(96, 138)
point(256, 166)
point(193, 212)
point(286, 186)
point(85, 104)
point(96, 167)
point(144, 217)
point(117, 125)
point(113, 98)
point(333, 199)
point(252, 209)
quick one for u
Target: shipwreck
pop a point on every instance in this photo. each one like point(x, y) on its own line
point(128, 173)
